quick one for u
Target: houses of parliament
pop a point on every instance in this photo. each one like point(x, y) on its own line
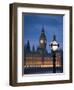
point(41, 57)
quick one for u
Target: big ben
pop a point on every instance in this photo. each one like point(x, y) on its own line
point(42, 40)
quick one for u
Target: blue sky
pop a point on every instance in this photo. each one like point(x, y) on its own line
point(33, 23)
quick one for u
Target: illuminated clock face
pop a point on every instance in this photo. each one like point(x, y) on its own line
point(41, 41)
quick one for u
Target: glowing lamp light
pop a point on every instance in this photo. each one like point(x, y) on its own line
point(54, 45)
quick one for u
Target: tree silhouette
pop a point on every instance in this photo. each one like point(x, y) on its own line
point(33, 49)
point(28, 46)
point(25, 48)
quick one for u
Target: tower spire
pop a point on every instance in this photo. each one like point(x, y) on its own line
point(54, 37)
point(42, 39)
point(43, 29)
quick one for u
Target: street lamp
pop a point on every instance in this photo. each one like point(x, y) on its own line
point(54, 47)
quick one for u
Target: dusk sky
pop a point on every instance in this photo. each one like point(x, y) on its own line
point(53, 24)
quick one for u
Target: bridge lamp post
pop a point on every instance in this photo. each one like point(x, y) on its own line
point(54, 47)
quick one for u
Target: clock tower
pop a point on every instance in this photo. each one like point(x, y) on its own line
point(42, 40)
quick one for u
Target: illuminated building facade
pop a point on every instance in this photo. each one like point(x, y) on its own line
point(41, 57)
